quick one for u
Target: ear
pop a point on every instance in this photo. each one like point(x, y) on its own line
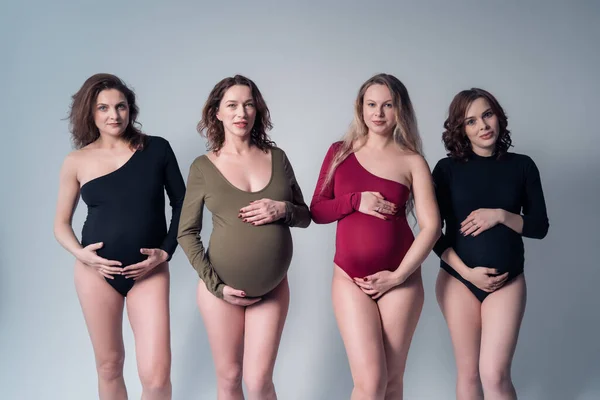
point(218, 116)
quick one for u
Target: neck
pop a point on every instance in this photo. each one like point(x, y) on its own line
point(111, 142)
point(378, 142)
point(236, 145)
point(482, 152)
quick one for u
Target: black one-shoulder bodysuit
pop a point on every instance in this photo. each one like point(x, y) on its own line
point(126, 208)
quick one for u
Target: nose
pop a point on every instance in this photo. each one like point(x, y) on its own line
point(113, 114)
point(483, 125)
point(241, 111)
point(379, 112)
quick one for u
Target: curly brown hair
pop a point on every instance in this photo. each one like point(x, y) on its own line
point(212, 129)
point(454, 137)
point(81, 115)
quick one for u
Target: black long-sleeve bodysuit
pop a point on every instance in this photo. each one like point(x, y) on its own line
point(511, 182)
point(126, 208)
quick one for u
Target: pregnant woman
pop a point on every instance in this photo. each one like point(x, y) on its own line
point(489, 200)
point(249, 186)
point(125, 246)
point(367, 184)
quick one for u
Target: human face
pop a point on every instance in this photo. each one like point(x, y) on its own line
point(378, 110)
point(481, 127)
point(237, 111)
point(111, 113)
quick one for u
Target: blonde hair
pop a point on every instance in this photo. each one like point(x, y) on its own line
point(406, 132)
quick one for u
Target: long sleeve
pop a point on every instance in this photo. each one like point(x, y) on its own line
point(442, 194)
point(190, 226)
point(325, 207)
point(175, 187)
point(297, 213)
point(535, 217)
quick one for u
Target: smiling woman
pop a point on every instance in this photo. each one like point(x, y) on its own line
point(125, 246)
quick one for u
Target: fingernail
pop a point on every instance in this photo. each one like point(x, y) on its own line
point(365, 279)
point(243, 294)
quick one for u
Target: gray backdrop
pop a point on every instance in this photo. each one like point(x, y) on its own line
point(541, 60)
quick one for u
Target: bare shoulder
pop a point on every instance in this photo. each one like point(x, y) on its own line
point(415, 161)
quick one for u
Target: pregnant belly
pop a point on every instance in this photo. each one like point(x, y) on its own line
point(252, 259)
point(122, 241)
point(366, 245)
point(499, 247)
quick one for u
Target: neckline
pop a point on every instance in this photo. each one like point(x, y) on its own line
point(112, 172)
point(476, 156)
point(237, 188)
point(353, 154)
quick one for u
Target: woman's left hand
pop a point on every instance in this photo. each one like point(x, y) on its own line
point(480, 221)
point(139, 270)
point(378, 284)
point(262, 211)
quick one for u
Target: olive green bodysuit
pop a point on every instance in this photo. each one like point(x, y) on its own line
point(251, 258)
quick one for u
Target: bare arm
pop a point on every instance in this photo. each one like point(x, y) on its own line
point(428, 218)
point(68, 197)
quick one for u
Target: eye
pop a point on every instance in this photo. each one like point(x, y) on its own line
point(122, 106)
point(488, 114)
point(251, 105)
point(231, 105)
point(389, 105)
point(470, 122)
point(102, 108)
point(371, 104)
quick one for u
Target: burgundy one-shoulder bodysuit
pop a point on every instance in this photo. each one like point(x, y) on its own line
point(364, 244)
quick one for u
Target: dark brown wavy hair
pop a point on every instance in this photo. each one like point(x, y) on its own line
point(454, 137)
point(212, 129)
point(81, 115)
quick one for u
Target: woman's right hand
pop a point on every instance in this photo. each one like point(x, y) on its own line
point(238, 297)
point(373, 203)
point(106, 268)
point(486, 279)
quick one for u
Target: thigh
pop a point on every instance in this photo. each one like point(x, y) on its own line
point(359, 323)
point(400, 309)
point(102, 308)
point(148, 311)
point(263, 328)
point(462, 312)
point(224, 325)
point(501, 314)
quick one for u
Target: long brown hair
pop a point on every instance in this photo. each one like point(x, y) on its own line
point(212, 129)
point(81, 115)
point(454, 137)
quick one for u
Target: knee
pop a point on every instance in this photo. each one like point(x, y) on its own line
point(259, 384)
point(110, 368)
point(156, 378)
point(468, 377)
point(371, 387)
point(495, 379)
point(230, 378)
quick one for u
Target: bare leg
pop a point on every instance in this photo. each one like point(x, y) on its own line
point(148, 311)
point(224, 324)
point(400, 309)
point(501, 315)
point(102, 308)
point(359, 323)
point(264, 326)
point(462, 311)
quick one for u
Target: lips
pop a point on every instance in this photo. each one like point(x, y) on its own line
point(379, 123)
point(486, 136)
point(240, 124)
